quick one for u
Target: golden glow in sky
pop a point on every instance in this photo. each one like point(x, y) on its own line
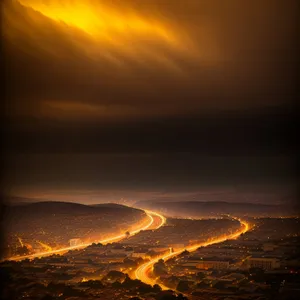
point(98, 19)
point(113, 32)
point(123, 59)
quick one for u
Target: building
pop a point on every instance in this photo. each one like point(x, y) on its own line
point(161, 249)
point(265, 263)
point(139, 254)
point(213, 264)
point(268, 247)
point(191, 264)
point(121, 251)
point(75, 242)
point(177, 247)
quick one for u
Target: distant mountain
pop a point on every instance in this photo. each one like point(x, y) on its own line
point(15, 200)
point(110, 205)
point(69, 208)
point(205, 209)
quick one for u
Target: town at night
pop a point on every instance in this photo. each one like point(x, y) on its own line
point(149, 150)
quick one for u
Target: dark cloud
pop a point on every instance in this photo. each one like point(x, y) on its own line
point(238, 54)
point(211, 78)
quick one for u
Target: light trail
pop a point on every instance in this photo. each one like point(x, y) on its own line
point(45, 246)
point(142, 272)
point(20, 241)
point(149, 214)
point(24, 244)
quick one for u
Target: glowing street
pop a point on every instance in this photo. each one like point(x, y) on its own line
point(143, 272)
point(150, 215)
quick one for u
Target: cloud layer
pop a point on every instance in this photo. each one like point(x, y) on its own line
point(147, 58)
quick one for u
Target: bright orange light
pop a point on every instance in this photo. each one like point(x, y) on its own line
point(99, 20)
point(20, 241)
point(119, 34)
point(46, 247)
point(142, 272)
point(149, 214)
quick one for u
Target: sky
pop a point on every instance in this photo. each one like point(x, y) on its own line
point(148, 95)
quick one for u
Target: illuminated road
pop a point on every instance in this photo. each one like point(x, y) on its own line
point(143, 272)
point(119, 237)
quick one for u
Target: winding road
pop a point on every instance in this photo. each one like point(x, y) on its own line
point(143, 272)
point(150, 214)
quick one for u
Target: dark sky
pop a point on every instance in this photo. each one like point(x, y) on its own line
point(149, 94)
